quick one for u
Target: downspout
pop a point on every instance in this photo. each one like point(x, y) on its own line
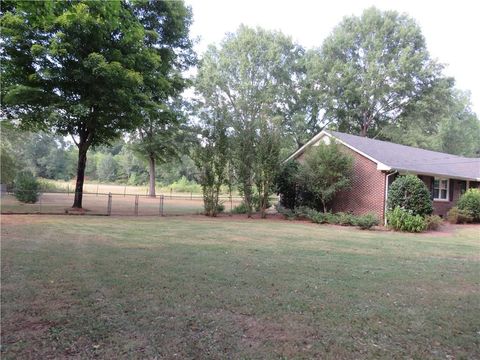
point(386, 196)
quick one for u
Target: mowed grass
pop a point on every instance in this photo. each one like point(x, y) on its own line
point(192, 287)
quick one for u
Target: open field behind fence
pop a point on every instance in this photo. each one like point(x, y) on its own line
point(113, 204)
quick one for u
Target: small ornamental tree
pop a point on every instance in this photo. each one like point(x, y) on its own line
point(411, 194)
point(325, 171)
point(470, 201)
point(211, 157)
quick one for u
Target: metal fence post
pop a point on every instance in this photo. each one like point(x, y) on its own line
point(124, 190)
point(40, 202)
point(136, 205)
point(171, 190)
point(109, 205)
point(161, 205)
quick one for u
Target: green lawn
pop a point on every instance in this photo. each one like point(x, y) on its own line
point(192, 287)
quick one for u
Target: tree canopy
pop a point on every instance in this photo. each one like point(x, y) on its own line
point(248, 78)
point(371, 68)
point(91, 69)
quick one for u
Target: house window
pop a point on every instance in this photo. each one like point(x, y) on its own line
point(440, 189)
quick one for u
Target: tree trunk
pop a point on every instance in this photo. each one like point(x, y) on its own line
point(365, 125)
point(324, 206)
point(151, 163)
point(82, 162)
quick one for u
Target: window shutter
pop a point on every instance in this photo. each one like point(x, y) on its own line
point(432, 179)
point(450, 190)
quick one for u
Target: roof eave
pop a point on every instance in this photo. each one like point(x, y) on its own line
point(466, 178)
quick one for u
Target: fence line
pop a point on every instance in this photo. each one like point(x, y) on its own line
point(51, 202)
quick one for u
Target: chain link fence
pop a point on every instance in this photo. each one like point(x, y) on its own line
point(112, 204)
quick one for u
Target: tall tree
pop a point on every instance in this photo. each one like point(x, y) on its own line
point(371, 68)
point(440, 119)
point(169, 23)
point(247, 77)
point(88, 69)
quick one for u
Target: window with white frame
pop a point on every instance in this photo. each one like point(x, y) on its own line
point(440, 189)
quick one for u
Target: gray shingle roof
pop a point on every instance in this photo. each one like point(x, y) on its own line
point(411, 159)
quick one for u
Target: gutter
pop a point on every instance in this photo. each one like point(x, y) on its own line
point(386, 196)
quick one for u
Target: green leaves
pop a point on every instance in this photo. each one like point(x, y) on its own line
point(371, 68)
point(92, 69)
point(325, 171)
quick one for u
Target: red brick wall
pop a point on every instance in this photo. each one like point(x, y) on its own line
point(367, 191)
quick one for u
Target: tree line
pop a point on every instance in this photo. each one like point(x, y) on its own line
point(97, 72)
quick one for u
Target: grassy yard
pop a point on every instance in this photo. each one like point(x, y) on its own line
point(192, 287)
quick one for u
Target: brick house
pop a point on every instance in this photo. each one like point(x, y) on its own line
point(377, 163)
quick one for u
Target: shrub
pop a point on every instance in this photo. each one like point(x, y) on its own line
point(345, 219)
point(470, 201)
point(240, 209)
point(288, 213)
point(367, 221)
point(410, 193)
point(319, 217)
point(457, 216)
point(403, 220)
point(433, 222)
point(220, 208)
point(26, 187)
point(286, 184)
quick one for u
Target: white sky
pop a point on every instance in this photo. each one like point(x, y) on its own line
point(451, 28)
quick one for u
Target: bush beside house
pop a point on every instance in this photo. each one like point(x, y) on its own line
point(467, 209)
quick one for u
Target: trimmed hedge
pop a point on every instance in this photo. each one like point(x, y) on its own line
point(411, 194)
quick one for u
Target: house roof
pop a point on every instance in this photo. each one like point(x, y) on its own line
point(390, 156)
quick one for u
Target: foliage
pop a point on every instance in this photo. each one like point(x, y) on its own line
point(160, 139)
point(26, 187)
point(107, 168)
point(325, 171)
point(212, 159)
point(267, 162)
point(247, 79)
point(404, 220)
point(286, 183)
point(183, 185)
point(57, 54)
point(433, 222)
point(470, 201)
point(410, 193)
point(354, 62)
point(457, 216)
point(8, 166)
point(365, 221)
point(240, 209)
